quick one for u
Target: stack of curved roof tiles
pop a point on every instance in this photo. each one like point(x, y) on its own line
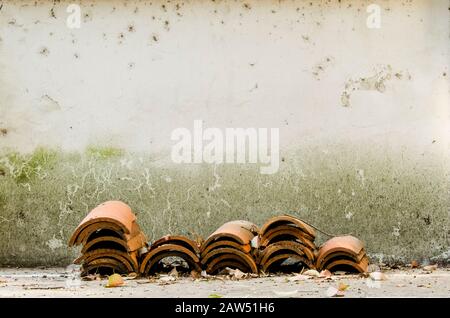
point(343, 252)
point(230, 246)
point(113, 242)
point(170, 246)
point(286, 237)
point(111, 239)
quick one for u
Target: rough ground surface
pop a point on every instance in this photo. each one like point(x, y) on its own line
point(58, 282)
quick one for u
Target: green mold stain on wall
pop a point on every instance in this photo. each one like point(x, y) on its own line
point(395, 201)
point(104, 153)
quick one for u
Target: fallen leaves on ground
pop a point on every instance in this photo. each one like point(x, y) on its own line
point(334, 292)
point(235, 273)
point(131, 276)
point(91, 277)
point(377, 276)
point(115, 280)
point(165, 279)
point(311, 272)
point(325, 274)
point(414, 264)
point(430, 268)
point(229, 274)
point(343, 286)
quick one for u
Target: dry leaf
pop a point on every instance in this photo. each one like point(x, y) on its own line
point(377, 276)
point(325, 274)
point(166, 278)
point(334, 292)
point(343, 286)
point(115, 280)
point(130, 276)
point(414, 264)
point(90, 277)
point(236, 273)
point(311, 272)
point(430, 268)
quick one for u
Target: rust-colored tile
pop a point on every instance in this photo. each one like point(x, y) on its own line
point(287, 232)
point(129, 260)
point(242, 232)
point(178, 240)
point(288, 220)
point(344, 251)
point(161, 251)
point(217, 259)
point(117, 213)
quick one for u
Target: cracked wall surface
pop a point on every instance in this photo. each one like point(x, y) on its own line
point(86, 116)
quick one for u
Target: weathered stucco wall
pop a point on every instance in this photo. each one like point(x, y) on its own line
point(86, 116)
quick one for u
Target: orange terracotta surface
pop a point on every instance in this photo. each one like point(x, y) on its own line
point(166, 250)
point(241, 232)
point(114, 212)
point(347, 244)
point(287, 220)
point(177, 240)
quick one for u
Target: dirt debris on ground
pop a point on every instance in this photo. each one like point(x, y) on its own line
point(60, 282)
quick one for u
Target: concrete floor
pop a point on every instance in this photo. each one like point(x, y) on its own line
point(58, 282)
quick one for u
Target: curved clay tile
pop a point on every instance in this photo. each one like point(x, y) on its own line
point(91, 231)
point(114, 212)
point(102, 241)
point(287, 247)
point(361, 266)
point(229, 260)
point(216, 267)
point(151, 265)
point(286, 232)
point(101, 263)
point(348, 244)
point(323, 263)
point(279, 258)
point(162, 251)
point(287, 220)
point(177, 240)
point(235, 254)
point(246, 248)
point(240, 231)
point(128, 259)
